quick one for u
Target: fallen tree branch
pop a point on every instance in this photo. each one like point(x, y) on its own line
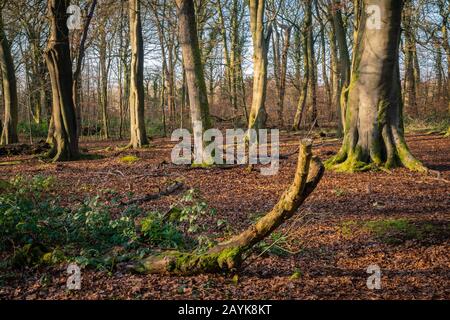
point(228, 256)
point(167, 191)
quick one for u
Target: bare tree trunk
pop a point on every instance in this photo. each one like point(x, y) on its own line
point(76, 86)
point(281, 67)
point(325, 79)
point(229, 69)
point(237, 43)
point(305, 82)
point(192, 60)
point(261, 38)
point(65, 139)
point(336, 87)
point(344, 60)
point(121, 68)
point(228, 256)
point(137, 122)
point(374, 132)
point(410, 102)
point(9, 132)
point(444, 12)
point(103, 79)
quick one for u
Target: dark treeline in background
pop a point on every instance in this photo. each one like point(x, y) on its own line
point(142, 68)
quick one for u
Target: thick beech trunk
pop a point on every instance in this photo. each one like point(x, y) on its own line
point(65, 139)
point(192, 60)
point(374, 117)
point(228, 256)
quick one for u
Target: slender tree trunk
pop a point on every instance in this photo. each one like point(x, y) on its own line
point(336, 87)
point(326, 82)
point(305, 82)
point(444, 12)
point(237, 44)
point(344, 60)
point(410, 101)
point(103, 80)
point(65, 139)
point(137, 122)
point(36, 78)
point(374, 134)
point(281, 66)
point(229, 70)
point(9, 85)
point(76, 86)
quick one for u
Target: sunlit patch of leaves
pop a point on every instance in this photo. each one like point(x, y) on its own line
point(130, 159)
point(395, 231)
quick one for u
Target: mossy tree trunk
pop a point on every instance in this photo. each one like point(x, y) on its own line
point(137, 121)
point(192, 61)
point(9, 131)
point(57, 55)
point(228, 256)
point(374, 134)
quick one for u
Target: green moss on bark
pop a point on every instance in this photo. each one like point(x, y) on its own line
point(181, 263)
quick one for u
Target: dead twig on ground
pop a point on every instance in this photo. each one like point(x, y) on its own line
point(167, 191)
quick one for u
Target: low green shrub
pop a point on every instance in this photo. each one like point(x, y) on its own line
point(36, 229)
point(37, 130)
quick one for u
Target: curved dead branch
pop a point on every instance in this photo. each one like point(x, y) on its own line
point(227, 256)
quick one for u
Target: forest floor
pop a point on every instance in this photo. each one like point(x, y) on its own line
point(397, 220)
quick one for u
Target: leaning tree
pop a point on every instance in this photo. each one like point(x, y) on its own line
point(374, 132)
point(57, 56)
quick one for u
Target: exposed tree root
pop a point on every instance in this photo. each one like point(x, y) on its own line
point(227, 256)
point(396, 155)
